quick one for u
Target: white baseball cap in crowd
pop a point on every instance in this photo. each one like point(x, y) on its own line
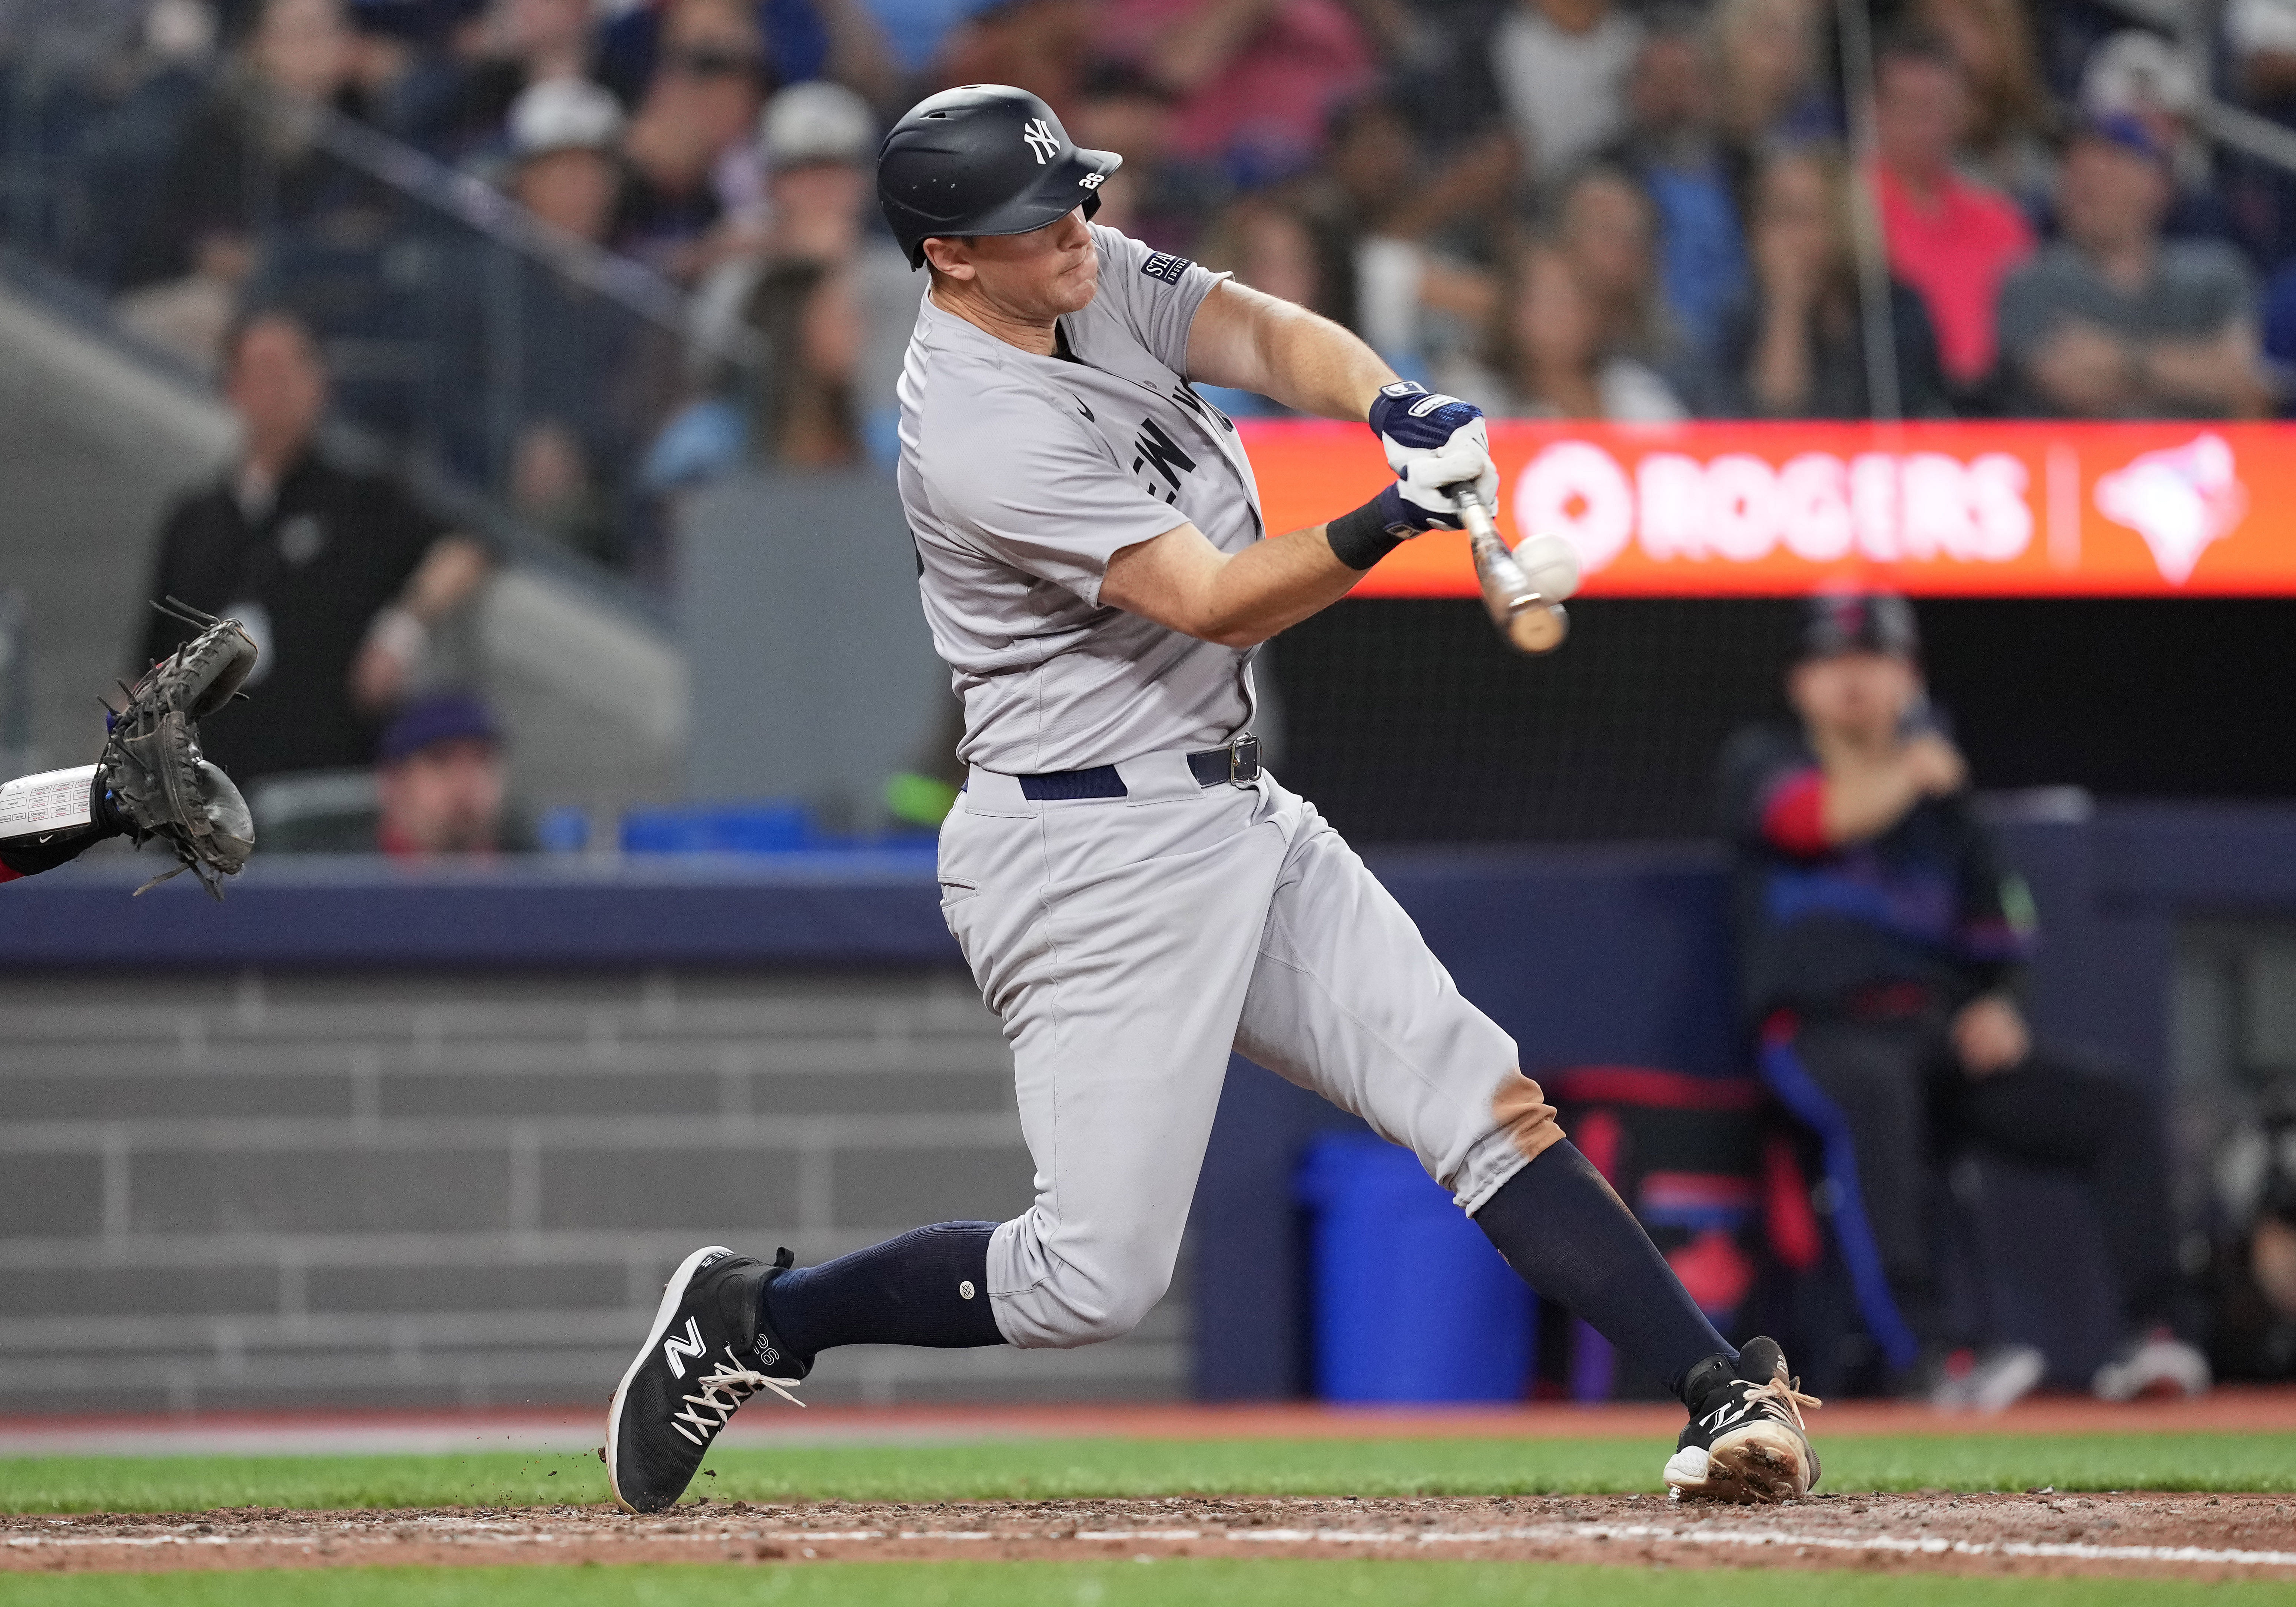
point(564, 114)
point(816, 121)
point(2133, 73)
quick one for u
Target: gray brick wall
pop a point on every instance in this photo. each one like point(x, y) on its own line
point(275, 1191)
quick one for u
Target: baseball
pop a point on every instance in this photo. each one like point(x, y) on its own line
point(1551, 564)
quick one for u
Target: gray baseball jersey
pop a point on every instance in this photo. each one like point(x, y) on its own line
point(1023, 475)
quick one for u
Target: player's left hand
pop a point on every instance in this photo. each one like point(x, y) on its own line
point(1989, 1036)
point(1434, 442)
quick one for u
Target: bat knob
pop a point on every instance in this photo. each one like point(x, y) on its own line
point(1539, 628)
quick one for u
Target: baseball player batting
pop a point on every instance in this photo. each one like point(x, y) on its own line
point(1134, 894)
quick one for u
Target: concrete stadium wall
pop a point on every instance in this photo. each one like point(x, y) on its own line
point(271, 1190)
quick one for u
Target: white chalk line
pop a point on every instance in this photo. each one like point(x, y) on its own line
point(1542, 1534)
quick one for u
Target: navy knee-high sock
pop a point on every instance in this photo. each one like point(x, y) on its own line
point(1574, 1241)
point(928, 1287)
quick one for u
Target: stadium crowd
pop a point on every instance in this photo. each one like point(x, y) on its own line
point(1591, 208)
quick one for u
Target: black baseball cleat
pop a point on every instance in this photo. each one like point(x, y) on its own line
point(1745, 1441)
point(706, 1355)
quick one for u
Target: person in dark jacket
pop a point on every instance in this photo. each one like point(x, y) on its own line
point(1880, 940)
point(1794, 347)
point(338, 576)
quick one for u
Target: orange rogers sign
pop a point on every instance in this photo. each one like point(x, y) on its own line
point(1969, 510)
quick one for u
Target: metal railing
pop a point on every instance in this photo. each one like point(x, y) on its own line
point(518, 372)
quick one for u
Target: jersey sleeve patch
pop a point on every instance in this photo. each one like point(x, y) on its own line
point(1164, 266)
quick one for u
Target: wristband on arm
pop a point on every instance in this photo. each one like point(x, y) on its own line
point(1361, 539)
point(48, 818)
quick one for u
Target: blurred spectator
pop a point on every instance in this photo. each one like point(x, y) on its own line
point(1548, 359)
point(1253, 81)
point(398, 68)
point(1274, 246)
point(547, 405)
point(2261, 34)
point(440, 782)
point(124, 156)
point(1152, 197)
point(2142, 76)
point(525, 43)
point(2253, 1265)
point(248, 161)
point(1410, 296)
point(2112, 321)
point(687, 145)
point(338, 576)
point(553, 490)
point(1607, 230)
point(1561, 66)
point(1796, 347)
point(565, 136)
point(1879, 941)
point(2011, 118)
point(438, 788)
point(798, 39)
point(1768, 54)
point(1672, 147)
point(818, 143)
point(1951, 239)
point(1046, 47)
point(810, 329)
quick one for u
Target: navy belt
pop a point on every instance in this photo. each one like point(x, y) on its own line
point(1238, 764)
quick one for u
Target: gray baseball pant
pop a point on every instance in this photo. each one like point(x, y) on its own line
point(1127, 945)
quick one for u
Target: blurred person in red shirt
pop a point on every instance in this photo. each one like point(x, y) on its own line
point(2011, 118)
point(1794, 347)
point(1253, 81)
point(1952, 240)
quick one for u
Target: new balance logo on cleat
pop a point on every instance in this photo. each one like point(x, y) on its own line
point(674, 1348)
point(690, 1377)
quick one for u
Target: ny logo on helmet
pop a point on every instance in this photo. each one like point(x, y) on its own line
point(1040, 138)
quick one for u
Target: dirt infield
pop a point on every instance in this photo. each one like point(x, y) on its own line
point(2228, 1409)
point(2180, 1535)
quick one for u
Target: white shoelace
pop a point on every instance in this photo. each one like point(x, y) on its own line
point(723, 1392)
point(1789, 1395)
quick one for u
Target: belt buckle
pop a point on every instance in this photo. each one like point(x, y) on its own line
point(1243, 760)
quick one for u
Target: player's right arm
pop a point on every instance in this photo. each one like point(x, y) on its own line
point(1184, 583)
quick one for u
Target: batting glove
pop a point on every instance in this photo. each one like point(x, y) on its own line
point(1433, 442)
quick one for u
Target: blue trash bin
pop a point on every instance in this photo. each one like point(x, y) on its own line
point(1410, 1302)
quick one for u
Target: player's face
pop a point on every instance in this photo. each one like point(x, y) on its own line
point(1858, 697)
point(1045, 274)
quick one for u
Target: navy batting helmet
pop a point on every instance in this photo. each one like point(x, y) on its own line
point(985, 158)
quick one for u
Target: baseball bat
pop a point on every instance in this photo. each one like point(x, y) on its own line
point(1530, 623)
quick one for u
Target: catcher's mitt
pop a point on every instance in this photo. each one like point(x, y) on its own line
point(161, 783)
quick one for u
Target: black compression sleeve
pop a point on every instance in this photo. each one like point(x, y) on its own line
point(1361, 539)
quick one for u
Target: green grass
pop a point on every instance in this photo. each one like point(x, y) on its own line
point(1045, 1468)
point(1176, 1582)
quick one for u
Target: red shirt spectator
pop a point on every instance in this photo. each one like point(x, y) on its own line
point(1254, 78)
point(1952, 240)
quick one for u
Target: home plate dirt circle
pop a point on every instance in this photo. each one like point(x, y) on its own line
point(2157, 1535)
